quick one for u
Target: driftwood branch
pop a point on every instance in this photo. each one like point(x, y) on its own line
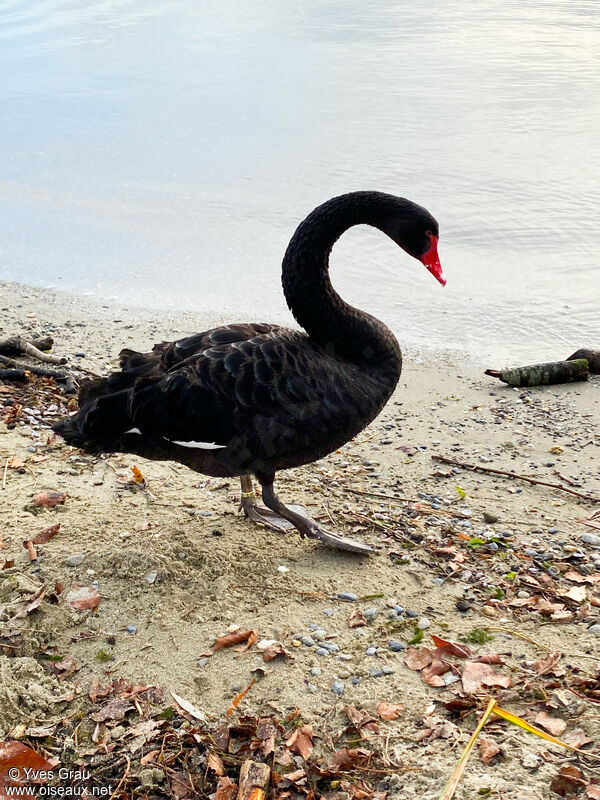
point(12, 375)
point(514, 475)
point(18, 346)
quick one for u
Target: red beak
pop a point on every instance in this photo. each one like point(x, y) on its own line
point(432, 261)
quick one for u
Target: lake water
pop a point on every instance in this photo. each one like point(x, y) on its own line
point(162, 153)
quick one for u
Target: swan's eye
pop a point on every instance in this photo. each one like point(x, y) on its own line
point(429, 233)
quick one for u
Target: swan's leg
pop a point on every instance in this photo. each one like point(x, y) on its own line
point(257, 513)
point(307, 526)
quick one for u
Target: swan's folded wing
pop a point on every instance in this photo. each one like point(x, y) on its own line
point(272, 393)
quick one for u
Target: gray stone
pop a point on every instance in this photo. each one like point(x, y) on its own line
point(338, 688)
point(396, 646)
point(75, 560)
point(350, 597)
point(590, 538)
point(322, 651)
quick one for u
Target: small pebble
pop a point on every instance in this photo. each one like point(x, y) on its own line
point(371, 651)
point(308, 641)
point(350, 597)
point(151, 578)
point(590, 538)
point(396, 646)
point(411, 614)
point(311, 687)
point(202, 662)
point(531, 761)
point(437, 581)
point(131, 629)
point(488, 611)
point(595, 629)
point(332, 647)
point(75, 560)
point(489, 517)
point(329, 612)
point(355, 681)
point(319, 634)
point(387, 670)
point(423, 624)
point(322, 651)
point(316, 671)
point(283, 568)
point(370, 614)
point(399, 610)
point(462, 606)
point(552, 530)
point(338, 687)
point(375, 672)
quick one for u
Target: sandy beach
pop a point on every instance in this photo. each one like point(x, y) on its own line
point(176, 565)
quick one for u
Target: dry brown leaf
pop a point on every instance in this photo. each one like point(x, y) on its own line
point(577, 738)
point(49, 499)
point(252, 639)
point(546, 607)
point(17, 754)
point(113, 710)
point(181, 785)
point(432, 674)
point(417, 659)
point(363, 721)
point(357, 619)
point(568, 781)
point(300, 742)
point(276, 650)
point(577, 577)
point(16, 463)
point(215, 762)
point(83, 597)
point(553, 725)
point(577, 593)
point(548, 664)
point(47, 534)
point(477, 675)
point(447, 647)
point(489, 748)
point(226, 789)
point(189, 708)
point(27, 606)
point(229, 640)
point(593, 793)
point(389, 711)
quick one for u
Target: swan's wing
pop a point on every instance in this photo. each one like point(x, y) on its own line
point(271, 393)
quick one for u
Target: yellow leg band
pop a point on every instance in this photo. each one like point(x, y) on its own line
point(249, 494)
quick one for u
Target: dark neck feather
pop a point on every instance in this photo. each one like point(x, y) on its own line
point(316, 306)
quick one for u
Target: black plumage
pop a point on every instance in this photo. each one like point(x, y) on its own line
point(265, 397)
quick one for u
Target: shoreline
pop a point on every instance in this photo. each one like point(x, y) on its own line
point(175, 565)
point(180, 323)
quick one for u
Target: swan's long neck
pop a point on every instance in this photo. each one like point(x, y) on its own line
point(316, 306)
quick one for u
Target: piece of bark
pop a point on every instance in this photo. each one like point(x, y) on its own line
point(18, 346)
point(12, 375)
point(254, 779)
point(543, 374)
point(591, 356)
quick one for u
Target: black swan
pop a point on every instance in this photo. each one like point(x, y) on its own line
point(251, 399)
